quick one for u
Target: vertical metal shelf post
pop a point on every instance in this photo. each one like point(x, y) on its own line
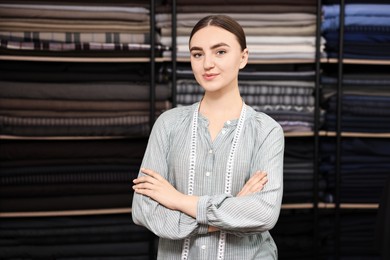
point(339, 130)
point(173, 52)
point(152, 98)
point(152, 89)
point(316, 132)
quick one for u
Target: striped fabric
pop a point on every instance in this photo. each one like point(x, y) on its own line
point(252, 99)
point(246, 220)
point(77, 37)
point(251, 88)
point(63, 47)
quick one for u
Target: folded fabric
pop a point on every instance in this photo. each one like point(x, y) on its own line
point(353, 9)
point(92, 91)
point(85, 12)
point(77, 37)
point(66, 202)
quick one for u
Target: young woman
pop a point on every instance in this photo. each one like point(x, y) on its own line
point(211, 180)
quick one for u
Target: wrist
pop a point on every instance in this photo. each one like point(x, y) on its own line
point(187, 204)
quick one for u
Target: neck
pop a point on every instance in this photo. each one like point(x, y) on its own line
point(227, 106)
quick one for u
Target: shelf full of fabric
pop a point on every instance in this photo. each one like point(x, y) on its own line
point(75, 29)
point(355, 97)
point(72, 134)
point(276, 31)
point(366, 29)
point(39, 99)
point(77, 237)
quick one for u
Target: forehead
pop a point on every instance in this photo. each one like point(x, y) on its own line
point(211, 35)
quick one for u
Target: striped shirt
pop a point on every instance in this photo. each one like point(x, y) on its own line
point(247, 219)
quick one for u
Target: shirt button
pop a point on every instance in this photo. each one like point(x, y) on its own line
point(203, 247)
point(208, 174)
point(210, 151)
point(228, 122)
point(223, 132)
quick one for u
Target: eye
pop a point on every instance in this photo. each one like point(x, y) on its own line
point(196, 55)
point(221, 52)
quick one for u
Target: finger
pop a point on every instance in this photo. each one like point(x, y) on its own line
point(144, 186)
point(259, 185)
point(147, 192)
point(248, 187)
point(144, 179)
point(264, 180)
point(151, 173)
point(254, 184)
point(148, 172)
point(255, 180)
point(262, 174)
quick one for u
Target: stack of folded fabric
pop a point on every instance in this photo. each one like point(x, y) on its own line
point(365, 101)
point(275, 30)
point(366, 29)
point(298, 172)
point(364, 168)
point(284, 92)
point(294, 234)
point(75, 29)
point(77, 99)
point(77, 237)
point(58, 175)
point(357, 235)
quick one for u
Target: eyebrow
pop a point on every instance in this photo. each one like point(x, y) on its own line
point(215, 46)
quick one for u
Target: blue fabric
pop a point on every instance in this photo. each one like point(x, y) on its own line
point(367, 34)
point(356, 15)
point(357, 10)
point(332, 24)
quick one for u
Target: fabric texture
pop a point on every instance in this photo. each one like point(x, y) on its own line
point(246, 219)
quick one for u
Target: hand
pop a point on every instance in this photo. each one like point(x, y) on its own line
point(254, 184)
point(157, 188)
point(212, 229)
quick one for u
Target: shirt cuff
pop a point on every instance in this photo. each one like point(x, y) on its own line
point(201, 214)
point(203, 229)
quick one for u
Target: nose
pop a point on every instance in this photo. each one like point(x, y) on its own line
point(208, 62)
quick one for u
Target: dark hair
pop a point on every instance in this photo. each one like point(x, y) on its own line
point(224, 22)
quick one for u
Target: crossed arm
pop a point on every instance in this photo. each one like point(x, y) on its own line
point(159, 189)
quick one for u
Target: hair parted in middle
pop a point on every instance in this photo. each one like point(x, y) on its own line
point(225, 22)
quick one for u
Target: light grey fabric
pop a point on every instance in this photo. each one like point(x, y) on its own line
point(246, 219)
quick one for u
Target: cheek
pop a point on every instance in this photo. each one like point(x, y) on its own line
point(196, 67)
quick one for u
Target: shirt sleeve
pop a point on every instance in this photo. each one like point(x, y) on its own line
point(147, 212)
point(258, 212)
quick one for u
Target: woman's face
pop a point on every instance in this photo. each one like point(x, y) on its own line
point(216, 58)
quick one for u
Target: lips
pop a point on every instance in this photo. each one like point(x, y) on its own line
point(208, 76)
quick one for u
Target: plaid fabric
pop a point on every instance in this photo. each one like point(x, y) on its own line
point(252, 100)
point(248, 88)
point(110, 121)
point(63, 47)
point(76, 37)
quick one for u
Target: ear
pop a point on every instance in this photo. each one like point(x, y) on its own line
point(244, 58)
